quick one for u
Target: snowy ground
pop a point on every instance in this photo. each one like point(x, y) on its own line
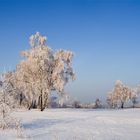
point(77, 124)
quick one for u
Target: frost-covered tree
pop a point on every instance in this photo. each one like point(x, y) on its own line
point(43, 70)
point(134, 95)
point(119, 95)
point(125, 95)
point(98, 103)
point(76, 104)
point(112, 100)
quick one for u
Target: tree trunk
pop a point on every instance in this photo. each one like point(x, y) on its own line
point(38, 104)
point(45, 102)
point(21, 98)
point(29, 106)
point(122, 105)
point(34, 104)
point(41, 103)
point(133, 105)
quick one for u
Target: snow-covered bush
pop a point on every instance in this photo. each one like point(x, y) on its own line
point(7, 105)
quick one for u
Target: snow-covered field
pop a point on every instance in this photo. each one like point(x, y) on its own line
point(77, 124)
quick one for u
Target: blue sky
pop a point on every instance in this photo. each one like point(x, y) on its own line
point(103, 34)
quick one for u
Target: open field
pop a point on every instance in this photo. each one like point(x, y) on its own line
point(77, 124)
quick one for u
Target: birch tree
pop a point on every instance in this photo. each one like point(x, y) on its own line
point(43, 70)
point(119, 95)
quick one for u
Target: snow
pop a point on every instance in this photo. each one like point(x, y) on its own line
point(77, 124)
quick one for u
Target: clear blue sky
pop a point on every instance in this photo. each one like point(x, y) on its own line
point(104, 36)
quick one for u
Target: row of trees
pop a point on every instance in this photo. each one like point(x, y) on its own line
point(41, 71)
point(121, 94)
point(70, 102)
